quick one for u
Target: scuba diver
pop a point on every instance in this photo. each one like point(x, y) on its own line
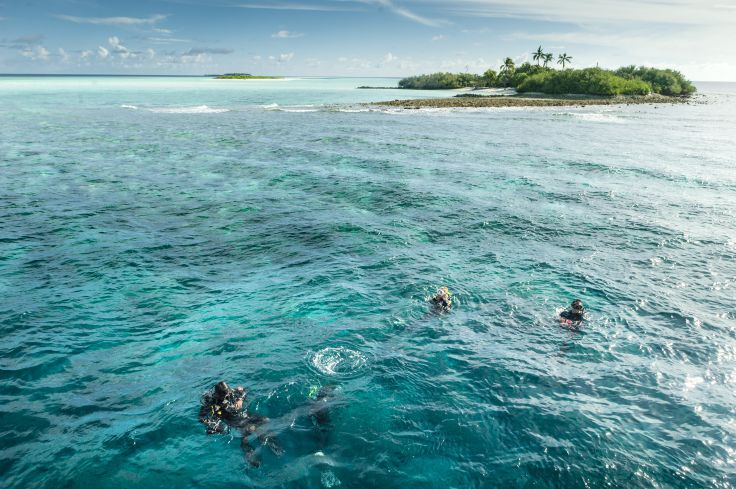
point(222, 408)
point(319, 412)
point(574, 315)
point(442, 300)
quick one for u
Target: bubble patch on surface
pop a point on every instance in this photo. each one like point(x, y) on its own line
point(338, 361)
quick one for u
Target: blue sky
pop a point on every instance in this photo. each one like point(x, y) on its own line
point(360, 37)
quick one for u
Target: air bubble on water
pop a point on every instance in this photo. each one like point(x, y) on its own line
point(692, 382)
point(329, 479)
point(338, 361)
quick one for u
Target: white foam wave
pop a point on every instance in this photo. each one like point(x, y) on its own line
point(338, 361)
point(126, 106)
point(731, 244)
point(292, 108)
point(594, 117)
point(197, 109)
point(299, 111)
point(692, 382)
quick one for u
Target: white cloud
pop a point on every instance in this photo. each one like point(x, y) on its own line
point(406, 13)
point(86, 53)
point(600, 11)
point(477, 65)
point(438, 38)
point(198, 51)
point(150, 53)
point(194, 58)
point(63, 55)
point(286, 57)
point(119, 49)
point(166, 40)
point(103, 52)
point(113, 20)
point(115, 43)
point(286, 35)
point(389, 58)
point(298, 6)
point(356, 64)
point(36, 53)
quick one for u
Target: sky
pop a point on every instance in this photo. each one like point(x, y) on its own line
point(361, 37)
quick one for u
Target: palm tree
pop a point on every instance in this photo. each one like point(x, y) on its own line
point(564, 58)
point(508, 66)
point(547, 58)
point(507, 70)
point(538, 54)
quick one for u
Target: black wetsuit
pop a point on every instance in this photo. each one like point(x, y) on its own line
point(319, 413)
point(220, 414)
point(442, 303)
point(573, 315)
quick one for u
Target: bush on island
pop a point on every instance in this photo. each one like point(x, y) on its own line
point(630, 80)
point(588, 81)
point(665, 82)
point(437, 81)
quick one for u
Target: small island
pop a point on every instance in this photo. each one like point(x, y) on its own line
point(245, 76)
point(541, 85)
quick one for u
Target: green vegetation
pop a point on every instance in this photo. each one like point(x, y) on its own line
point(245, 76)
point(588, 81)
point(539, 77)
point(665, 82)
point(437, 81)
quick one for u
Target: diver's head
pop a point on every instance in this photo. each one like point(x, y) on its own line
point(577, 305)
point(443, 298)
point(443, 294)
point(221, 390)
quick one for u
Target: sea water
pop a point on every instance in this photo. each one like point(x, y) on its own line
point(160, 234)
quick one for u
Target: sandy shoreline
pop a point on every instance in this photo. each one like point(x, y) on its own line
point(525, 101)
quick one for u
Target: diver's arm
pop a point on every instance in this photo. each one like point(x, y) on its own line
point(204, 410)
point(250, 453)
point(237, 397)
point(270, 440)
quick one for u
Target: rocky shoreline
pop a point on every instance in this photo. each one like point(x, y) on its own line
point(527, 101)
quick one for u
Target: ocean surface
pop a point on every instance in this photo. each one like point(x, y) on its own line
point(160, 234)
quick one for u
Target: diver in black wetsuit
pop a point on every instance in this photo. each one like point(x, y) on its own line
point(442, 300)
point(574, 315)
point(222, 407)
point(319, 413)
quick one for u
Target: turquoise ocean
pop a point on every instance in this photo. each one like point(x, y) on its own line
point(158, 234)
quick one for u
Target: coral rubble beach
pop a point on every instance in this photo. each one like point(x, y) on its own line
point(529, 101)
